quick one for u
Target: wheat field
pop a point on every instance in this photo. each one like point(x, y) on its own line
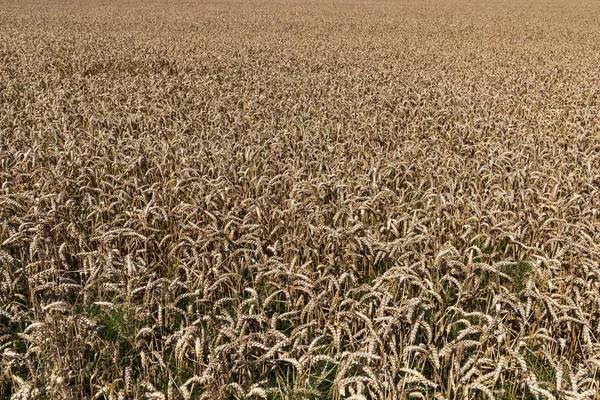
point(287, 199)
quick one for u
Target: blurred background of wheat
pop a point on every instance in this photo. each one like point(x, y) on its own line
point(299, 200)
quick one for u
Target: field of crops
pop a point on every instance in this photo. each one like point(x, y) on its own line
point(288, 199)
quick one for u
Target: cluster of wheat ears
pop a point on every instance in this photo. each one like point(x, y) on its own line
point(299, 200)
